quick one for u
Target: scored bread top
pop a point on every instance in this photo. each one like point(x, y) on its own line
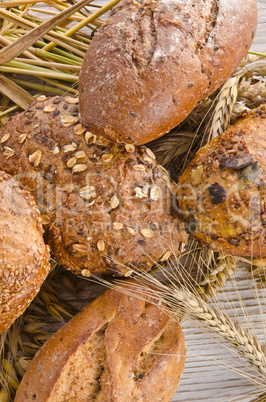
point(222, 193)
point(24, 258)
point(104, 206)
point(119, 348)
point(152, 61)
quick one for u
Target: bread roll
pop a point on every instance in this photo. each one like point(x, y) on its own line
point(152, 62)
point(104, 206)
point(222, 193)
point(24, 258)
point(119, 348)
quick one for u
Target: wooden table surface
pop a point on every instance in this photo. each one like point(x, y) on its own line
point(204, 377)
point(260, 39)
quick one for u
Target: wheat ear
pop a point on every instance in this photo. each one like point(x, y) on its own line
point(247, 346)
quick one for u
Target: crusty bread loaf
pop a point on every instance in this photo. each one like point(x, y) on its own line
point(119, 348)
point(223, 191)
point(152, 61)
point(24, 258)
point(104, 206)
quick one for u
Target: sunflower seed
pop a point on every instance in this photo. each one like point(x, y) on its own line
point(106, 157)
point(80, 248)
point(131, 231)
point(87, 192)
point(71, 162)
point(22, 138)
point(79, 168)
point(148, 160)
point(150, 153)
point(101, 245)
point(129, 147)
point(70, 147)
point(71, 100)
point(8, 152)
point(79, 129)
point(5, 138)
point(139, 168)
point(35, 158)
point(114, 202)
point(80, 155)
point(68, 121)
point(41, 98)
point(50, 108)
point(117, 225)
point(147, 232)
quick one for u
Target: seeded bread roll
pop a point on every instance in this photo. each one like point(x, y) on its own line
point(104, 206)
point(222, 193)
point(24, 258)
point(152, 62)
point(119, 348)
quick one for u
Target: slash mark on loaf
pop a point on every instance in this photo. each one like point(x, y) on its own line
point(143, 45)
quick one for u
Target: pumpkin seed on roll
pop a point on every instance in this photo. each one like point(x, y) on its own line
point(222, 193)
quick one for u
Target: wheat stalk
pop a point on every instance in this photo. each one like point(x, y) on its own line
point(223, 110)
point(247, 346)
point(181, 301)
point(220, 268)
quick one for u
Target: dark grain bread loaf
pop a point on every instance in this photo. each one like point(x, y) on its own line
point(24, 258)
point(152, 61)
point(119, 348)
point(223, 191)
point(104, 206)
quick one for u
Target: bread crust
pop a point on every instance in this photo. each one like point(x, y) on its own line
point(222, 193)
point(152, 62)
point(104, 206)
point(24, 258)
point(138, 350)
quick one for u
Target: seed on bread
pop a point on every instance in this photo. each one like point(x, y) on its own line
point(23, 254)
point(8, 152)
point(5, 138)
point(88, 191)
point(222, 193)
